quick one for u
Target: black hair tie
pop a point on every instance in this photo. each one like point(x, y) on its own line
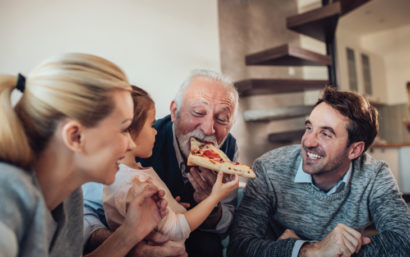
point(21, 83)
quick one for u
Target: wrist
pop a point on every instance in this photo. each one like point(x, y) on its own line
point(308, 250)
point(127, 237)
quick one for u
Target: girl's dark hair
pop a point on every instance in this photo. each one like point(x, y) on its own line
point(363, 124)
point(142, 104)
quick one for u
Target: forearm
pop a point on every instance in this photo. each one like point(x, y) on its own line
point(197, 215)
point(96, 239)
point(221, 218)
point(116, 244)
point(250, 246)
point(386, 244)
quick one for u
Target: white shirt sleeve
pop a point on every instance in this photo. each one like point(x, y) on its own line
point(8, 242)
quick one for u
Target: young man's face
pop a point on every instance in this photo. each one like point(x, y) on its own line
point(206, 112)
point(324, 144)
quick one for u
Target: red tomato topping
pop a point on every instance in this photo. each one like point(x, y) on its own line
point(211, 154)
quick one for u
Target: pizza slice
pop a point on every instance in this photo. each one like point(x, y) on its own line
point(207, 155)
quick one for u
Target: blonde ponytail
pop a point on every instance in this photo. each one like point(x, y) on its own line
point(76, 86)
point(14, 146)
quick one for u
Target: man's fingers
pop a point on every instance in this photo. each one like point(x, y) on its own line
point(195, 178)
point(354, 236)
point(208, 175)
point(234, 181)
point(366, 240)
point(350, 242)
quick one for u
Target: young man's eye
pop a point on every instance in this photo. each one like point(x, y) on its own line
point(326, 134)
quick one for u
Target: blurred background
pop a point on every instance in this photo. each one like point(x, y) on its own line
point(280, 53)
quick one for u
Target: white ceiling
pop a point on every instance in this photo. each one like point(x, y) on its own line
point(376, 16)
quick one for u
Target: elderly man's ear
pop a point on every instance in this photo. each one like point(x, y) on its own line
point(173, 109)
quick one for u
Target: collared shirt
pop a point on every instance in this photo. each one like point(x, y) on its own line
point(303, 177)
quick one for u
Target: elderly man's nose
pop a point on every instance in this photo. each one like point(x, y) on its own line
point(207, 126)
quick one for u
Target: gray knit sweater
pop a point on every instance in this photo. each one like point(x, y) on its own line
point(272, 202)
point(38, 232)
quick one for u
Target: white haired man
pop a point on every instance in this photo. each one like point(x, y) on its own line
point(204, 107)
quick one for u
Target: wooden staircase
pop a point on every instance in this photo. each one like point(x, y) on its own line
point(320, 24)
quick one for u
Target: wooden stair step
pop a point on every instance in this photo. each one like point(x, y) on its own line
point(319, 23)
point(251, 87)
point(288, 55)
point(279, 113)
point(286, 136)
point(350, 5)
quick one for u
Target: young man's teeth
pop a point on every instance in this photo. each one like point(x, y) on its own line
point(313, 156)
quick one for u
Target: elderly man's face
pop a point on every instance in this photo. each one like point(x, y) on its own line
point(206, 112)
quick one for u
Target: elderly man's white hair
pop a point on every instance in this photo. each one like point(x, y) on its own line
point(205, 74)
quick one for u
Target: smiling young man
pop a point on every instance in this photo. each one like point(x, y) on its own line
point(315, 199)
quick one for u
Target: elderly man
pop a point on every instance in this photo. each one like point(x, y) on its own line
point(315, 199)
point(204, 107)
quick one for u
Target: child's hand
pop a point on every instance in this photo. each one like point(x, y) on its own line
point(221, 189)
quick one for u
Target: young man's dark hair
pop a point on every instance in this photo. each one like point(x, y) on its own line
point(364, 124)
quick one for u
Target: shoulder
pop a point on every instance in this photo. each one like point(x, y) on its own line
point(282, 156)
point(163, 123)
point(369, 167)
point(278, 166)
point(17, 183)
point(20, 198)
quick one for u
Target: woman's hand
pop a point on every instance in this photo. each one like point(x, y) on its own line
point(144, 212)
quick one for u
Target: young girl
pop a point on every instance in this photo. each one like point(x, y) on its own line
point(131, 178)
point(70, 126)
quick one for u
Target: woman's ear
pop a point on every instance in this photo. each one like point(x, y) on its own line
point(73, 135)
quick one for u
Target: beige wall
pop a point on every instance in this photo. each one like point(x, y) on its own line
point(156, 42)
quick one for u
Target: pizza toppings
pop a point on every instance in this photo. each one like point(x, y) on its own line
point(207, 155)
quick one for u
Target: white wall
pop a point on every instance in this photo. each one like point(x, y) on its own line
point(394, 46)
point(155, 42)
point(346, 39)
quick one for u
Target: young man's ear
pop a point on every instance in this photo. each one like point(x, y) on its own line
point(173, 108)
point(356, 149)
point(72, 135)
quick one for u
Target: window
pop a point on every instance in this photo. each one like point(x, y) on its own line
point(366, 75)
point(351, 69)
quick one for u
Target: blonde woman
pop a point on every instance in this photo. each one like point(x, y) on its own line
point(69, 127)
